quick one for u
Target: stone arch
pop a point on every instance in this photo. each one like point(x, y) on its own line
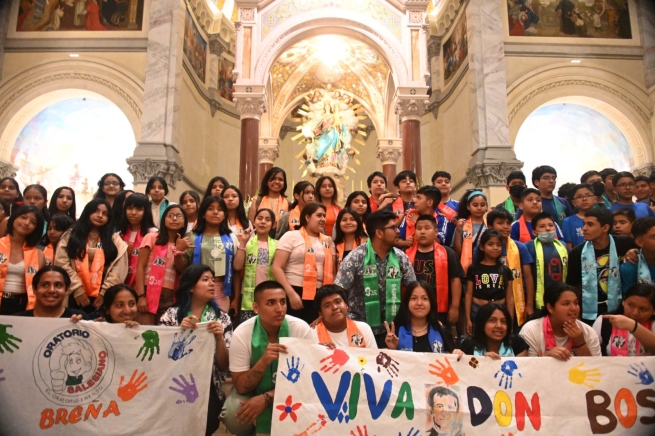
point(620, 100)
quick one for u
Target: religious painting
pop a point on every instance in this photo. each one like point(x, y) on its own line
point(225, 78)
point(195, 47)
point(455, 50)
point(66, 15)
point(569, 18)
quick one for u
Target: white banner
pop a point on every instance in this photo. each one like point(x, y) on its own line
point(57, 377)
point(361, 392)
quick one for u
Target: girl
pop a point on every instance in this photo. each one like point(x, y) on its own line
point(349, 234)
point(380, 196)
point(470, 225)
point(136, 223)
point(212, 243)
point(487, 280)
point(256, 254)
point(492, 336)
point(326, 193)
point(120, 305)
point(639, 305)
point(190, 201)
point(94, 257)
point(157, 189)
point(156, 277)
point(117, 208)
point(10, 192)
point(359, 202)
point(109, 186)
point(22, 259)
point(38, 196)
point(416, 327)
point(303, 193)
point(63, 202)
point(271, 194)
point(57, 226)
point(300, 270)
point(237, 220)
point(555, 330)
point(195, 303)
point(215, 187)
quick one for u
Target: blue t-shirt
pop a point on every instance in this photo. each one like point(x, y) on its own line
point(629, 275)
point(526, 258)
point(572, 229)
point(641, 210)
point(516, 231)
point(445, 228)
point(553, 270)
point(548, 205)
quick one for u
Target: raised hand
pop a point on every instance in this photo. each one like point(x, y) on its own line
point(293, 373)
point(150, 344)
point(642, 373)
point(445, 371)
point(584, 377)
point(182, 244)
point(574, 332)
point(189, 390)
point(179, 347)
point(272, 352)
point(334, 361)
point(7, 340)
point(391, 339)
point(133, 387)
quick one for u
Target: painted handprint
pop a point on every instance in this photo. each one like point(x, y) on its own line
point(445, 371)
point(385, 361)
point(507, 373)
point(584, 377)
point(409, 433)
point(293, 373)
point(641, 372)
point(361, 431)
point(132, 387)
point(7, 340)
point(150, 344)
point(310, 430)
point(189, 390)
point(335, 361)
point(179, 347)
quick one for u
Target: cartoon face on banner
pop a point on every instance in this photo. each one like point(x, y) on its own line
point(73, 366)
point(444, 412)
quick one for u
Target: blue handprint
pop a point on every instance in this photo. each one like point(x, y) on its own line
point(178, 348)
point(642, 373)
point(507, 369)
point(293, 373)
point(409, 433)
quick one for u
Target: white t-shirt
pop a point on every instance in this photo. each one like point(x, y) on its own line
point(341, 339)
point(294, 243)
point(241, 346)
point(533, 334)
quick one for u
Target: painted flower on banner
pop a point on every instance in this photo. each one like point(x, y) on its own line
point(288, 409)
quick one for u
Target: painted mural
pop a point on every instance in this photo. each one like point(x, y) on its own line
point(226, 79)
point(455, 50)
point(569, 18)
point(195, 47)
point(64, 15)
point(586, 137)
point(73, 143)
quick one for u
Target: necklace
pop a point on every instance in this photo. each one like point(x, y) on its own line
point(414, 332)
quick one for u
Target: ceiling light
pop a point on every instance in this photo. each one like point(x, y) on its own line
point(576, 61)
point(74, 55)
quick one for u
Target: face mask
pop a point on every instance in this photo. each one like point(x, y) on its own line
point(547, 237)
point(599, 188)
point(516, 190)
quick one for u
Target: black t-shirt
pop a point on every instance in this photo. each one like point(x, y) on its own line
point(68, 312)
point(489, 281)
point(424, 268)
point(574, 275)
point(518, 345)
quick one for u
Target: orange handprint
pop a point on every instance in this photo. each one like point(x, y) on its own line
point(444, 371)
point(320, 422)
point(133, 387)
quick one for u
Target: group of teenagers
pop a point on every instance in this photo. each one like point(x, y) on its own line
point(403, 267)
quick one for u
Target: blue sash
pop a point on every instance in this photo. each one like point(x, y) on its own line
point(643, 273)
point(590, 281)
point(406, 340)
point(503, 351)
point(228, 244)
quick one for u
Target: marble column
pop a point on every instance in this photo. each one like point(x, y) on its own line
point(4, 25)
point(250, 106)
point(409, 109)
point(157, 152)
point(646, 19)
point(493, 156)
point(269, 151)
point(389, 150)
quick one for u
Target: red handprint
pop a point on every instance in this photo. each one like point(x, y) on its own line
point(445, 371)
point(360, 431)
point(334, 361)
point(133, 387)
point(320, 422)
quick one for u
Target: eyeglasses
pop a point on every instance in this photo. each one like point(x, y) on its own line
point(111, 183)
point(626, 185)
point(394, 227)
point(175, 216)
point(584, 197)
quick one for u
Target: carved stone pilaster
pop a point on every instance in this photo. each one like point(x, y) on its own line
point(492, 172)
point(144, 169)
point(217, 46)
point(7, 169)
point(434, 47)
point(644, 170)
point(390, 152)
point(269, 150)
point(411, 108)
point(250, 106)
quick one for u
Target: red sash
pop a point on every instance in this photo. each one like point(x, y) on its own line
point(524, 234)
point(410, 229)
point(440, 273)
point(132, 255)
point(156, 274)
point(373, 204)
point(448, 212)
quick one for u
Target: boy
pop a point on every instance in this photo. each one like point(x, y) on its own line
point(643, 190)
point(651, 182)
point(643, 231)
point(516, 257)
point(530, 206)
point(439, 267)
point(624, 185)
point(623, 219)
point(591, 177)
point(515, 186)
point(551, 256)
point(609, 197)
point(544, 178)
point(594, 265)
point(425, 203)
point(377, 186)
point(447, 208)
point(406, 183)
point(583, 200)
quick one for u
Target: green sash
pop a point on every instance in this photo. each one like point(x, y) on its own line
point(509, 206)
point(606, 201)
point(250, 273)
point(540, 266)
point(560, 210)
point(372, 293)
point(258, 344)
point(205, 314)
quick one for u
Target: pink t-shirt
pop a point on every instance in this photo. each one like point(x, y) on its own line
point(294, 243)
point(171, 273)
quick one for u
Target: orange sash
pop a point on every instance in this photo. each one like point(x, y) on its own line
point(355, 336)
point(410, 229)
point(440, 273)
point(31, 262)
point(282, 206)
point(524, 234)
point(294, 218)
point(374, 205)
point(467, 244)
point(91, 278)
point(132, 255)
point(331, 218)
point(310, 277)
point(448, 212)
point(398, 206)
point(341, 248)
point(49, 254)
